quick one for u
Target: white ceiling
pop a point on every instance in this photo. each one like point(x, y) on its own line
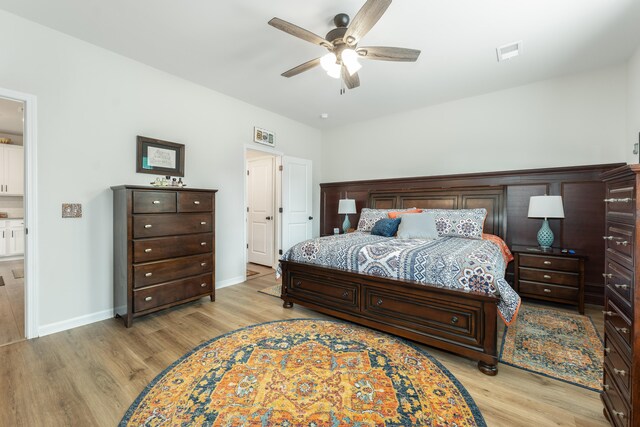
point(10, 116)
point(228, 46)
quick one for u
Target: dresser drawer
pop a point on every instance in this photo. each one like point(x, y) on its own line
point(339, 296)
point(546, 276)
point(154, 201)
point(167, 225)
point(194, 202)
point(167, 293)
point(165, 271)
point(550, 263)
point(619, 367)
point(617, 323)
point(620, 200)
point(170, 247)
point(616, 404)
point(619, 242)
point(619, 281)
point(558, 292)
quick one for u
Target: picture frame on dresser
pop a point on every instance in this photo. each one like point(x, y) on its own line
point(157, 157)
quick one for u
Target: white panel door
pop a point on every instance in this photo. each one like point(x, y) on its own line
point(14, 163)
point(15, 233)
point(297, 191)
point(4, 238)
point(261, 211)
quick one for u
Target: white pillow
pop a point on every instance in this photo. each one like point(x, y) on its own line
point(418, 226)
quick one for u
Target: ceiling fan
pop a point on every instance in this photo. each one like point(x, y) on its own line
point(342, 43)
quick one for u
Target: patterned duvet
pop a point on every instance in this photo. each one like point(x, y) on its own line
point(452, 262)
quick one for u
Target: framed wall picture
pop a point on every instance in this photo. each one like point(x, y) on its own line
point(263, 136)
point(159, 157)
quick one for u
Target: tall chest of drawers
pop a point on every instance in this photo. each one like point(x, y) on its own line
point(621, 382)
point(164, 248)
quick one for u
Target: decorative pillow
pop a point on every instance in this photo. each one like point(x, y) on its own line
point(418, 226)
point(459, 222)
point(394, 214)
point(369, 217)
point(386, 227)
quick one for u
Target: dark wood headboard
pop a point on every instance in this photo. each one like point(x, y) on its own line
point(491, 198)
point(581, 188)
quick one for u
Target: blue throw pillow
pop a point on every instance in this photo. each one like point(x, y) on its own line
point(386, 227)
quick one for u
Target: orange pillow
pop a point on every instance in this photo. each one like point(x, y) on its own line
point(394, 215)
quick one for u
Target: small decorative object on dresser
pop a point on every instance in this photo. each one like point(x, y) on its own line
point(549, 275)
point(164, 248)
point(621, 384)
point(346, 207)
point(545, 207)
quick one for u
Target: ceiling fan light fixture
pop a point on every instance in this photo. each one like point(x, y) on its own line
point(328, 61)
point(334, 71)
point(350, 60)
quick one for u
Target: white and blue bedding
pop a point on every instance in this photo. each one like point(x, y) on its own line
point(451, 262)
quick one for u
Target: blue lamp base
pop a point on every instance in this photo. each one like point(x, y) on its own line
point(545, 235)
point(346, 224)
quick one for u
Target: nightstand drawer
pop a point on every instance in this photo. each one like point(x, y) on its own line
point(549, 291)
point(546, 276)
point(550, 262)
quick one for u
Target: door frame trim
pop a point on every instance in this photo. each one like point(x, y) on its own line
point(30, 138)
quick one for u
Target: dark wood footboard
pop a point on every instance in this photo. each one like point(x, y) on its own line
point(461, 322)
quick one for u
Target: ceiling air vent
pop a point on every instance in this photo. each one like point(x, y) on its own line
point(509, 51)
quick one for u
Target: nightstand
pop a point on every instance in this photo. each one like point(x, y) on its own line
point(549, 275)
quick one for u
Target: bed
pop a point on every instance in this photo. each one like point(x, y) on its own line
point(462, 320)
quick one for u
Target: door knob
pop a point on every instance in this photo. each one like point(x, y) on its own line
point(310, 218)
point(268, 218)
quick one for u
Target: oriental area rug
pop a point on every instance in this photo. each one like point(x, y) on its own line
point(305, 372)
point(561, 345)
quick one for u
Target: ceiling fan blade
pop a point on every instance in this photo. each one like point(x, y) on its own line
point(301, 33)
point(382, 53)
point(365, 19)
point(302, 68)
point(351, 81)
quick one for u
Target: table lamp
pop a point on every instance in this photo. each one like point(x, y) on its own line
point(545, 207)
point(346, 207)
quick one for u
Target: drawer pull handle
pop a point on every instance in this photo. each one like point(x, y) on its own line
point(203, 222)
point(608, 237)
point(156, 202)
point(623, 330)
point(619, 286)
point(148, 226)
point(613, 200)
point(196, 202)
point(546, 276)
point(148, 250)
point(607, 350)
point(618, 414)
point(148, 298)
point(547, 262)
point(609, 313)
point(148, 274)
point(547, 290)
point(203, 285)
point(345, 294)
point(623, 243)
point(202, 264)
point(607, 275)
point(203, 243)
point(379, 302)
point(606, 387)
point(298, 283)
point(620, 372)
point(454, 319)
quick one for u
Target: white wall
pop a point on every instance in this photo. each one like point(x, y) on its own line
point(633, 106)
point(91, 105)
point(574, 120)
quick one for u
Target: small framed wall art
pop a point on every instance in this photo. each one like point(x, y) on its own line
point(263, 136)
point(159, 157)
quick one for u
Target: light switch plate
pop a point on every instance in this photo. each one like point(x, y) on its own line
point(71, 210)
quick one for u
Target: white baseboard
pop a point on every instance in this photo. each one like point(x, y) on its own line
point(52, 328)
point(230, 282)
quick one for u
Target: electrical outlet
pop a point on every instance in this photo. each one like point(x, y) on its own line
point(71, 210)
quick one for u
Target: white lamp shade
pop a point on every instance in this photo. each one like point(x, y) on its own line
point(546, 207)
point(347, 206)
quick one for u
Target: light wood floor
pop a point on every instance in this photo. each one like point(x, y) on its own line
point(89, 376)
point(11, 304)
